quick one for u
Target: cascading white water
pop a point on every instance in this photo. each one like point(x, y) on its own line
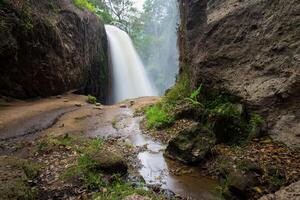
point(129, 76)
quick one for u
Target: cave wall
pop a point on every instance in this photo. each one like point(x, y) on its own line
point(250, 49)
point(48, 47)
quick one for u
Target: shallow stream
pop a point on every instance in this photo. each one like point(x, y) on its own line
point(158, 170)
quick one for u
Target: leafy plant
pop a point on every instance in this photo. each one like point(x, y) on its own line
point(157, 117)
point(91, 99)
point(85, 4)
point(193, 98)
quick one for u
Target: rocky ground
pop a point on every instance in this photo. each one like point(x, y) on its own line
point(248, 170)
point(54, 144)
point(49, 150)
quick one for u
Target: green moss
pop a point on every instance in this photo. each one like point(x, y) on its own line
point(91, 99)
point(114, 123)
point(276, 177)
point(26, 18)
point(179, 91)
point(158, 117)
point(15, 174)
point(86, 167)
point(120, 189)
point(84, 4)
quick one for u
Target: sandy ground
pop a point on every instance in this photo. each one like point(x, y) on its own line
point(65, 114)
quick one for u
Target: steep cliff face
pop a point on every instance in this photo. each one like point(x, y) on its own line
point(49, 47)
point(250, 49)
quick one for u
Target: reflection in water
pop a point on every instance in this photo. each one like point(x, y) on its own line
point(156, 168)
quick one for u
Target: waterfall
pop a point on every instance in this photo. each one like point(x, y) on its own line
point(129, 76)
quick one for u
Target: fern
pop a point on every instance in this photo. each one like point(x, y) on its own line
point(193, 98)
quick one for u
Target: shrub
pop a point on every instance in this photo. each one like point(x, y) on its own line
point(157, 117)
point(91, 99)
point(85, 4)
point(193, 98)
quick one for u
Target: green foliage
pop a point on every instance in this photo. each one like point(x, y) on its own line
point(228, 110)
point(85, 4)
point(87, 167)
point(120, 189)
point(26, 19)
point(254, 127)
point(193, 98)
point(91, 99)
point(114, 123)
point(157, 117)
point(276, 176)
point(179, 91)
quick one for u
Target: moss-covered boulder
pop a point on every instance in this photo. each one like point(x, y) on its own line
point(191, 145)
point(239, 185)
point(186, 110)
point(15, 178)
point(110, 161)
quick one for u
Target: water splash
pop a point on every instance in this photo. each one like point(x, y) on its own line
point(129, 76)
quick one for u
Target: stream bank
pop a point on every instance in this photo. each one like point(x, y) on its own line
point(71, 130)
point(52, 155)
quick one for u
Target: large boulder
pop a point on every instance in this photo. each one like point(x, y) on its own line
point(191, 145)
point(50, 47)
point(291, 192)
point(110, 161)
point(251, 50)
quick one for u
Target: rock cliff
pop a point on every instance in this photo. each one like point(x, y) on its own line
point(250, 49)
point(50, 47)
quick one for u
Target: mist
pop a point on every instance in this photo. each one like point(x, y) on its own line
point(159, 51)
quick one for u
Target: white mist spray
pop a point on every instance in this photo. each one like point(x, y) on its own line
point(129, 77)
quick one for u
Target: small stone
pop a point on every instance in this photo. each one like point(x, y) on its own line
point(123, 106)
point(136, 197)
point(132, 102)
point(98, 104)
point(78, 104)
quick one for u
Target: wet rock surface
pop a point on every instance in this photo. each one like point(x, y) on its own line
point(291, 192)
point(249, 49)
point(110, 161)
point(191, 145)
point(44, 49)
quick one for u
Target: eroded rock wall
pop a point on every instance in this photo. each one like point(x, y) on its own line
point(250, 49)
point(48, 47)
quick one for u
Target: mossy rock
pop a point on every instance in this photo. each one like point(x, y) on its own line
point(186, 110)
point(110, 161)
point(191, 145)
point(239, 185)
point(15, 175)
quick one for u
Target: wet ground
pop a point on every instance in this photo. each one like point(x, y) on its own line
point(69, 114)
point(155, 168)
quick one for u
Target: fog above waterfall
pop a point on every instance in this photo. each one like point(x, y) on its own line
point(157, 43)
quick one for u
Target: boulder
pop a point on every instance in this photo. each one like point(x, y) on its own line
point(227, 45)
point(110, 161)
point(239, 185)
point(50, 47)
point(291, 192)
point(191, 145)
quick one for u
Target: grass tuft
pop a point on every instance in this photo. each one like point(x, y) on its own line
point(157, 117)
